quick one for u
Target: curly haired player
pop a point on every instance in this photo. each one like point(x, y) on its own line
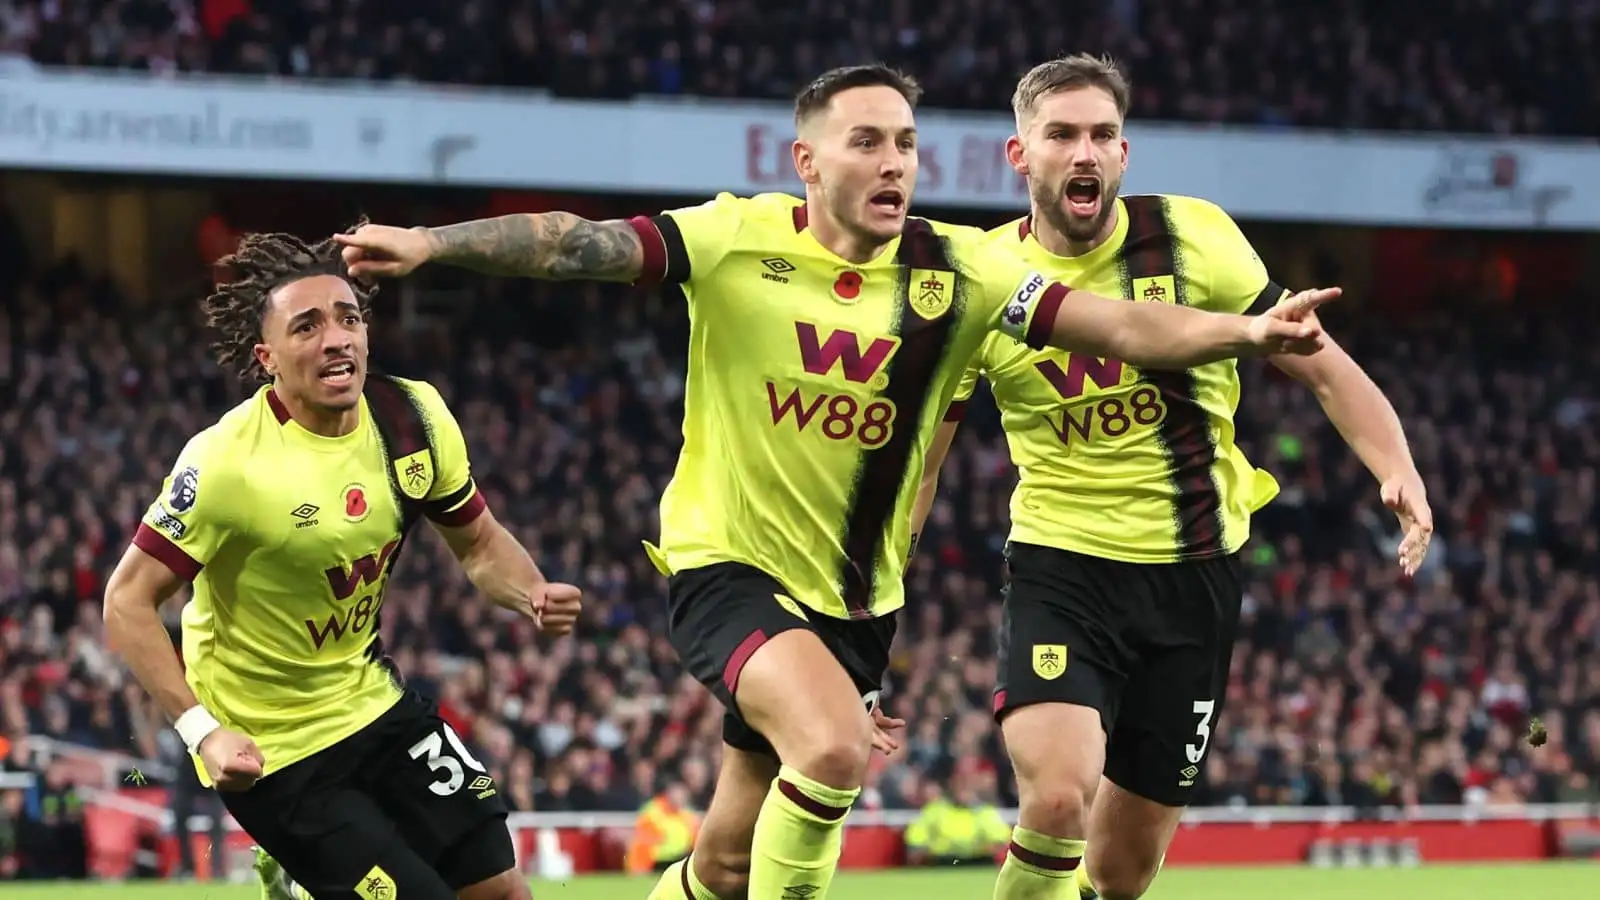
point(286, 517)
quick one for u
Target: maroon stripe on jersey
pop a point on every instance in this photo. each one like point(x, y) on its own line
point(884, 469)
point(1043, 860)
point(736, 660)
point(1044, 315)
point(811, 805)
point(279, 411)
point(688, 891)
point(461, 516)
point(166, 552)
point(999, 701)
point(1024, 228)
point(654, 270)
point(956, 412)
point(1151, 250)
point(801, 218)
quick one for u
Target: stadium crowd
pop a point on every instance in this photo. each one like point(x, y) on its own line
point(1350, 686)
point(1456, 65)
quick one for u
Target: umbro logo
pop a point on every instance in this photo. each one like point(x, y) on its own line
point(778, 269)
point(306, 513)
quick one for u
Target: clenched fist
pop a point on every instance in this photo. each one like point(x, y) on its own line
point(556, 607)
point(233, 761)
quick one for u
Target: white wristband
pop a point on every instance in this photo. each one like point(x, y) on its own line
point(194, 725)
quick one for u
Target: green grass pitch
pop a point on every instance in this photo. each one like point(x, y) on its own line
point(1481, 882)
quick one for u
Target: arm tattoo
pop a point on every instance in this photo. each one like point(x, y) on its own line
point(556, 246)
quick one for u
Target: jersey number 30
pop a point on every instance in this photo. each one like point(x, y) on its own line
point(431, 750)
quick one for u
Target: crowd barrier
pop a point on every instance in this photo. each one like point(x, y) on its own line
point(557, 845)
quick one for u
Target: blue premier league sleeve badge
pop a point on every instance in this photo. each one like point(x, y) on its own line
point(185, 488)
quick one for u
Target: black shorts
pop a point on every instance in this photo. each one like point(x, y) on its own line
point(719, 615)
point(401, 804)
point(1148, 646)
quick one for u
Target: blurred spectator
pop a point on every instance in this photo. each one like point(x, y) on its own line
point(958, 827)
point(664, 831)
point(1454, 65)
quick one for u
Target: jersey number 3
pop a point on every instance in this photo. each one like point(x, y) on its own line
point(1205, 709)
point(431, 750)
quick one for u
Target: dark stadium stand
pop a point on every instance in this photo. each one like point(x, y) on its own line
point(1453, 65)
point(1350, 687)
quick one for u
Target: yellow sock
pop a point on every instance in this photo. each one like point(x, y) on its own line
point(798, 837)
point(1086, 889)
point(678, 882)
point(1038, 867)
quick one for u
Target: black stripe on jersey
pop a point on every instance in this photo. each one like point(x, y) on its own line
point(403, 429)
point(454, 499)
point(1151, 250)
point(1267, 299)
point(677, 251)
point(883, 469)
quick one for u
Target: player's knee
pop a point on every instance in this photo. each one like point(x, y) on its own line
point(725, 873)
point(1122, 875)
point(1055, 806)
point(835, 753)
point(1122, 884)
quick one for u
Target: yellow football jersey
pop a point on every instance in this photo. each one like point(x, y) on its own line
point(289, 538)
point(815, 386)
point(1115, 462)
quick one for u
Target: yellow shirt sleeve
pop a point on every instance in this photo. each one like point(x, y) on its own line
point(969, 381)
point(454, 499)
point(190, 521)
point(681, 245)
point(1234, 278)
point(1022, 302)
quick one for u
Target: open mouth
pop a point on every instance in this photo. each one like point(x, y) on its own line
point(1083, 195)
point(337, 374)
point(890, 202)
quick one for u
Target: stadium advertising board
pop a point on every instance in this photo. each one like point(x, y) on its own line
point(407, 134)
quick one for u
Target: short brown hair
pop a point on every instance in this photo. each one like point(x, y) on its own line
point(1069, 73)
point(816, 96)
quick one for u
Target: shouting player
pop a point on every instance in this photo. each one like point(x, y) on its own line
point(287, 516)
point(826, 339)
point(1124, 579)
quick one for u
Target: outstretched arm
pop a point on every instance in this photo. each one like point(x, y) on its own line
point(555, 245)
point(1159, 335)
point(673, 247)
point(1164, 336)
